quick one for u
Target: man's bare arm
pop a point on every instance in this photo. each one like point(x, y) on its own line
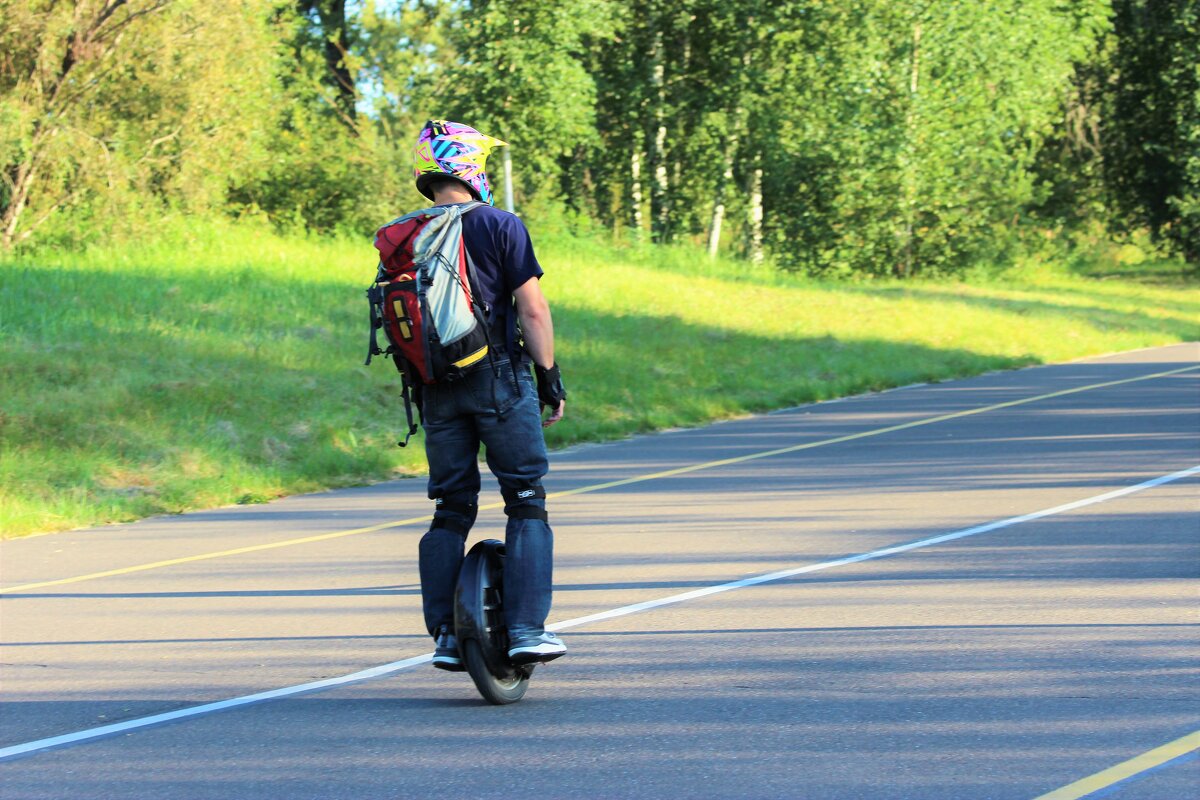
point(538, 329)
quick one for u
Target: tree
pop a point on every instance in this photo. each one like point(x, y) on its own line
point(520, 77)
point(907, 142)
point(325, 29)
point(872, 137)
point(110, 105)
point(1151, 133)
point(335, 141)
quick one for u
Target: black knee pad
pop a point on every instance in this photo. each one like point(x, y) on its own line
point(454, 516)
point(527, 502)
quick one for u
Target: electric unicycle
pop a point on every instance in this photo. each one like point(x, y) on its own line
point(479, 626)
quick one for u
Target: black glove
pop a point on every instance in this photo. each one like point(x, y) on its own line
point(549, 386)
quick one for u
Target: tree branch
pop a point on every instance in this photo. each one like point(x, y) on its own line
point(63, 200)
point(117, 27)
point(349, 121)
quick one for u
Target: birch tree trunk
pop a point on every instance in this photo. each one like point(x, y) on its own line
point(508, 182)
point(635, 191)
point(659, 212)
point(731, 150)
point(756, 213)
point(723, 184)
point(905, 267)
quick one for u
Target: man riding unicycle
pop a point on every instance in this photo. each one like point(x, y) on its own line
point(487, 394)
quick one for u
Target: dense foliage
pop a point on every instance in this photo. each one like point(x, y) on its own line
point(866, 137)
point(1153, 154)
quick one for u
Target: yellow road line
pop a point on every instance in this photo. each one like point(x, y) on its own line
point(863, 435)
point(203, 556)
point(1126, 769)
point(594, 487)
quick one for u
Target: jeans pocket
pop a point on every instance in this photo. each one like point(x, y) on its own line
point(494, 392)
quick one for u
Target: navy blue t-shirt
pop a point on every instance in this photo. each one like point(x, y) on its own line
point(502, 252)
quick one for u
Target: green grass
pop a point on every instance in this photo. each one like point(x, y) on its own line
point(223, 364)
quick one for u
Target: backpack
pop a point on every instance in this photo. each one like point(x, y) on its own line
point(424, 300)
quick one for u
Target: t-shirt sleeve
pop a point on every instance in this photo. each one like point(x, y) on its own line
point(520, 263)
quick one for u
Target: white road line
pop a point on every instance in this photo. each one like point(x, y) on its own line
point(208, 708)
point(385, 670)
point(882, 553)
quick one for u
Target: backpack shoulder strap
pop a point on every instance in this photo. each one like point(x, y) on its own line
point(472, 272)
point(473, 286)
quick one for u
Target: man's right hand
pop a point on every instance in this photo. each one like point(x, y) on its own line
point(556, 416)
point(551, 392)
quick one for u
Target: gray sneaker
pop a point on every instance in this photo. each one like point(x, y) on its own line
point(445, 654)
point(536, 649)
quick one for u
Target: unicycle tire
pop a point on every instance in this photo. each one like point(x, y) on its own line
point(496, 690)
point(480, 629)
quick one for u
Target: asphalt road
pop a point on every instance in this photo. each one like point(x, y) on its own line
point(1006, 663)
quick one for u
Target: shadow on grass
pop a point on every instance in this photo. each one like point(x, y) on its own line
point(163, 392)
point(1157, 272)
point(1183, 323)
point(635, 373)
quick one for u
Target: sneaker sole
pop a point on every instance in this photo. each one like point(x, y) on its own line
point(450, 665)
point(533, 657)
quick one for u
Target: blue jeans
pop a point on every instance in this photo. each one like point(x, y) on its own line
point(501, 412)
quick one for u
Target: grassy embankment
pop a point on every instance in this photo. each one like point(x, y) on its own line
point(225, 365)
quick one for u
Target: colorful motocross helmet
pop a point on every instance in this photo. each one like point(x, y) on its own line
point(450, 149)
